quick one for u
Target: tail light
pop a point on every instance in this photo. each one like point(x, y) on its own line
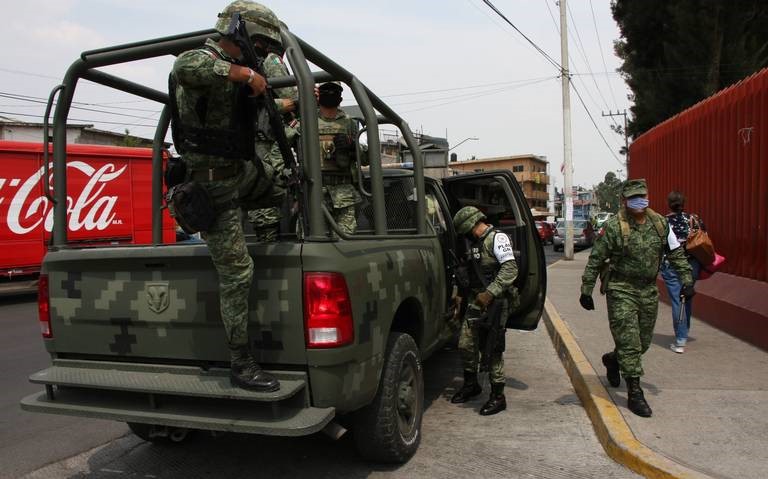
point(44, 306)
point(327, 311)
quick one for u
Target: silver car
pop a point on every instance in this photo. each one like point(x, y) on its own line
point(583, 235)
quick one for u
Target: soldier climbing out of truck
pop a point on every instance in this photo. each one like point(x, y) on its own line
point(213, 129)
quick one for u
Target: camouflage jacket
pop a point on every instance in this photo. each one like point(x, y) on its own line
point(274, 67)
point(640, 264)
point(497, 262)
point(202, 83)
point(265, 139)
point(333, 159)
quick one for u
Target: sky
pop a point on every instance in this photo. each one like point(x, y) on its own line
point(448, 67)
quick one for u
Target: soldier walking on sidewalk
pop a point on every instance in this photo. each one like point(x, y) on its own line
point(629, 255)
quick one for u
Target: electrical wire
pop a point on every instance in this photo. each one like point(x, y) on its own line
point(77, 119)
point(581, 100)
point(597, 36)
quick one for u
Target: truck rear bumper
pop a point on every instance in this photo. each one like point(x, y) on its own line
point(175, 396)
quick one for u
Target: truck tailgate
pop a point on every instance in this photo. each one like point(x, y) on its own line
point(162, 303)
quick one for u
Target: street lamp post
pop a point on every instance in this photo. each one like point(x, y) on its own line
point(463, 141)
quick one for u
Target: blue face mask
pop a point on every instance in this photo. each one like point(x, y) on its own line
point(637, 203)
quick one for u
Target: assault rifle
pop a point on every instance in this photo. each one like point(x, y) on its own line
point(237, 34)
point(493, 335)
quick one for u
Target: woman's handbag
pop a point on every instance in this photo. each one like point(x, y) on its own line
point(698, 244)
point(707, 271)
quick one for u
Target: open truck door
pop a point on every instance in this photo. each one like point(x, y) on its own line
point(499, 196)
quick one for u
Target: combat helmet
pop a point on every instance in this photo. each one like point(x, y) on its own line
point(260, 21)
point(466, 219)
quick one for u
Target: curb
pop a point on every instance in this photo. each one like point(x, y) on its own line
point(612, 431)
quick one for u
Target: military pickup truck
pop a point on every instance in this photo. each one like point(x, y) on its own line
point(344, 321)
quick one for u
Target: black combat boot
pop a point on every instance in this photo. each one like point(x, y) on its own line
point(635, 398)
point(247, 374)
point(612, 368)
point(496, 402)
point(469, 389)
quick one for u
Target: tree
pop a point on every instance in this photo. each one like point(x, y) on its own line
point(678, 52)
point(608, 193)
point(130, 141)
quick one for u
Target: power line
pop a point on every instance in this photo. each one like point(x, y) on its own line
point(478, 95)
point(78, 119)
point(583, 51)
point(463, 87)
point(102, 105)
point(21, 72)
point(581, 100)
point(538, 49)
point(597, 35)
point(13, 97)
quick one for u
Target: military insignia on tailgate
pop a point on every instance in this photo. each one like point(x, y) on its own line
point(157, 296)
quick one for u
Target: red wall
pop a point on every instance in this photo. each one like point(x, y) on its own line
point(716, 153)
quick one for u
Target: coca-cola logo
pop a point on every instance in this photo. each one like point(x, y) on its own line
point(90, 210)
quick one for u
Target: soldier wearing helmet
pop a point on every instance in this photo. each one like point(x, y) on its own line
point(493, 264)
point(213, 129)
point(338, 159)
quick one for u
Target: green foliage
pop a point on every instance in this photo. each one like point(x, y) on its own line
point(608, 193)
point(678, 52)
point(130, 141)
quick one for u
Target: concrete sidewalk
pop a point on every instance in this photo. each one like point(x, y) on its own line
point(710, 404)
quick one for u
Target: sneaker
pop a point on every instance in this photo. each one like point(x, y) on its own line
point(678, 349)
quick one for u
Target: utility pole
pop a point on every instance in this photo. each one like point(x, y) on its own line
point(567, 162)
point(626, 138)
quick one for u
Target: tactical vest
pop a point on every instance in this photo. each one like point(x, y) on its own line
point(192, 135)
point(483, 267)
point(333, 159)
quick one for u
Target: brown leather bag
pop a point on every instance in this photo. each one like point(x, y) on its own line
point(698, 244)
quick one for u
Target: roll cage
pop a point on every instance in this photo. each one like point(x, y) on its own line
point(299, 54)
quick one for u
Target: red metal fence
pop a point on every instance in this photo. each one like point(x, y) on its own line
point(716, 153)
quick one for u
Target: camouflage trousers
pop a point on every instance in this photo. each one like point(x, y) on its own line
point(469, 349)
point(341, 200)
point(226, 243)
point(266, 221)
point(632, 317)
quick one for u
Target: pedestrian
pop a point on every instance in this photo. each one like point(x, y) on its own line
point(338, 137)
point(492, 271)
point(634, 242)
point(217, 149)
point(682, 224)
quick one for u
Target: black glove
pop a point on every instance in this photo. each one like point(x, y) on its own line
point(687, 292)
point(587, 302)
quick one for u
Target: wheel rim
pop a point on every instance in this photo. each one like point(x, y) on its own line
point(407, 399)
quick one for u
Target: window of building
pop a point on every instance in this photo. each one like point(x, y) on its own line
point(517, 168)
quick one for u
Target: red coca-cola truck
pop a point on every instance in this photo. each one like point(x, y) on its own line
point(109, 202)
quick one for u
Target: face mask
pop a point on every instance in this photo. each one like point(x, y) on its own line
point(329, 99)
point(637, 203)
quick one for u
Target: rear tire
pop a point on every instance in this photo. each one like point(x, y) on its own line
point(389, 429)
point(160, 434)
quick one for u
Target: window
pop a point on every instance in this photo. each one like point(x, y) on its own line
point(517, 168)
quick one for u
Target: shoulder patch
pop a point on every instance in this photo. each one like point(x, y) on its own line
point(502, 248)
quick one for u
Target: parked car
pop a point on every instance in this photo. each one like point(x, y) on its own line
point(583, 235)
point(546, 232)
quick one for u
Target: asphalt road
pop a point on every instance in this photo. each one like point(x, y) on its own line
point(29, 441)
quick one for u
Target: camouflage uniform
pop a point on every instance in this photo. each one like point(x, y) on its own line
point(266, 221)
point(339, 167)
point(632, 296)
point(493, 251)
point(201, 75)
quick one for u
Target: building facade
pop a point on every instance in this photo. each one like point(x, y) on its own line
point(531, 171)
